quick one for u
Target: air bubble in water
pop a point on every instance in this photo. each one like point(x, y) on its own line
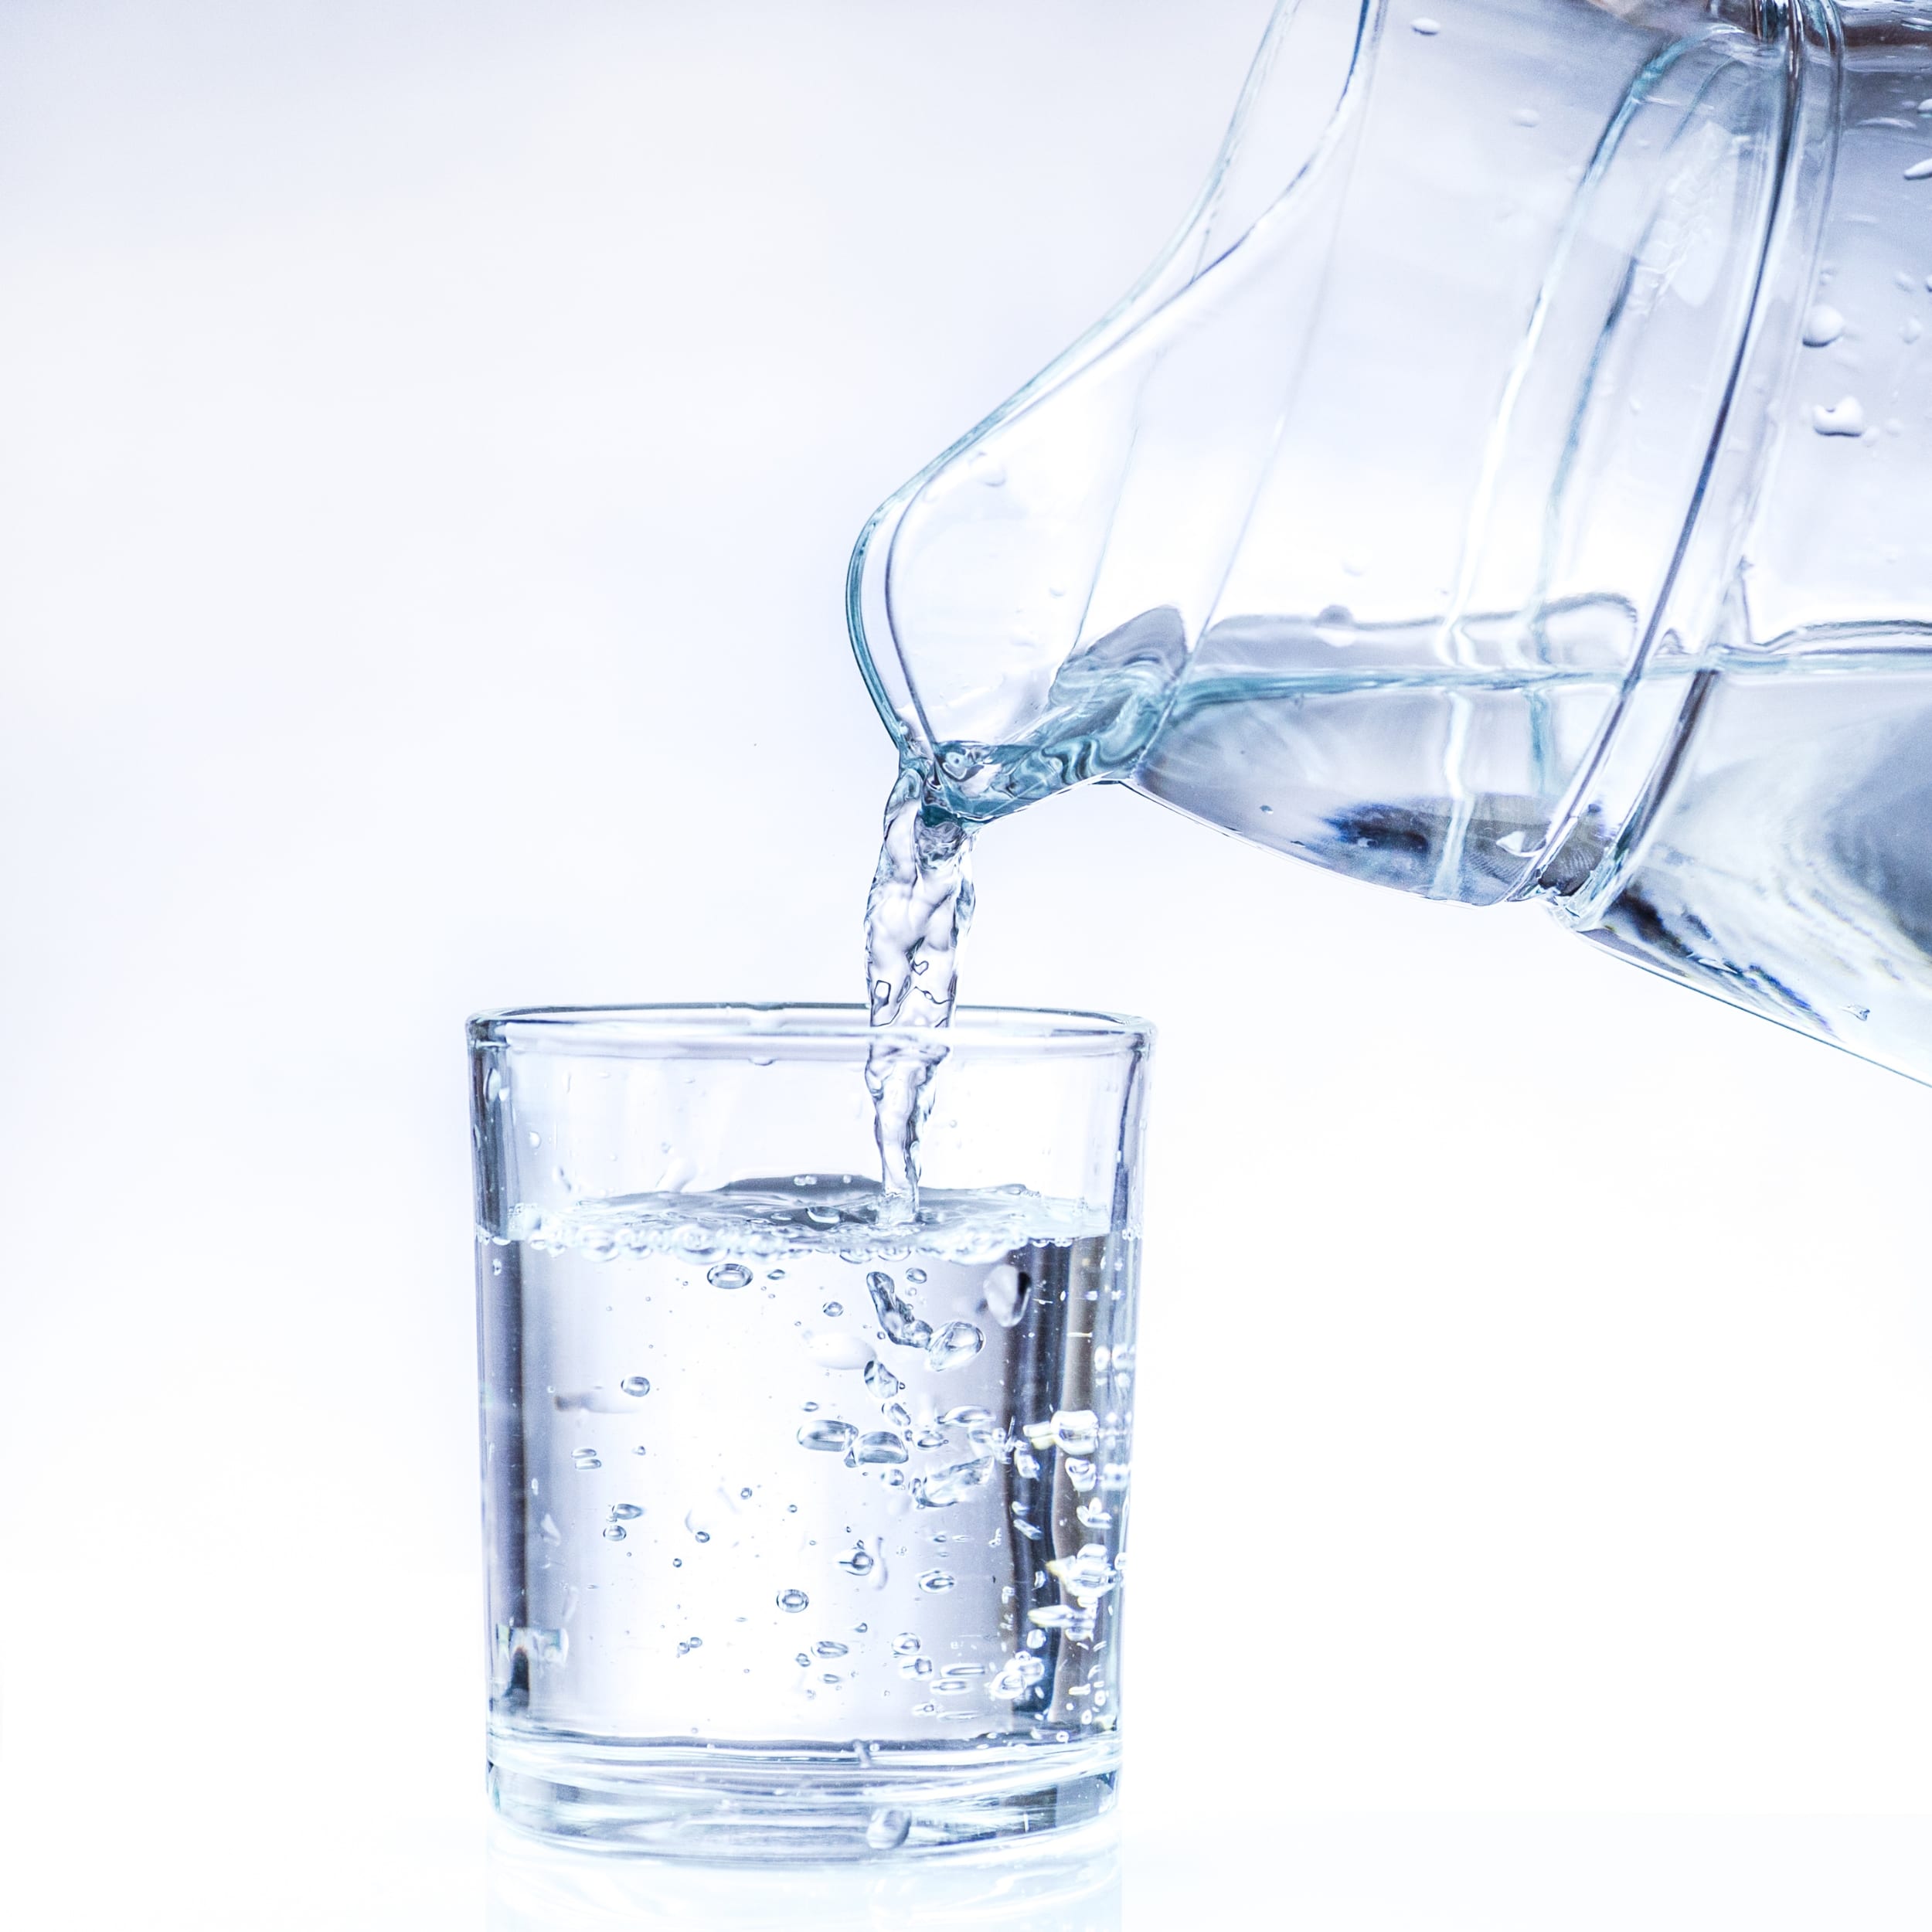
point(587, 1459)
point(1823, 326)
point(879, 1445)
point(635, 1385)
point(905, 1643)
point(829, 1647)
point(792, 1601)
point(942, 1488)
point(729, 1274)
point(857, 1561)
point(1074, 1432)
point(880, 1380)
point(886, 1830)
point(833, 1437)
point(1428, 29)
point(625, 1512)
point(615, 1530)
point(1088, 1576)
point(1920, 170)
point(1527, 117)
point(895, 1314)
point(1022, 1670)
point(1005, 1294)
point(954, 1344)
point(934, 1581)
point(915, 1274)
point(833, 1310)
point(1846, 418)
point(822, 1217)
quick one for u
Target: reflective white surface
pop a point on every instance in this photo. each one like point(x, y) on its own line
point(426, 433)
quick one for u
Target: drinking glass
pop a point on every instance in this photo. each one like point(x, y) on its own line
point(804, 1505)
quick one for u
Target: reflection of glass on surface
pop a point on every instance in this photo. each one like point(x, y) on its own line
point(1070, 1882)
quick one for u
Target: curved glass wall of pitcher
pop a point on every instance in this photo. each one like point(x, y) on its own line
point(1534, 408)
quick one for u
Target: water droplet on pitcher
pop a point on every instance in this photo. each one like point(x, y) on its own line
point(635, 1385)
point(792, 1601)
point(833, 1437)
point(1846, 418)
point(625, 1512)
point(1823, 326)
point(729, 1274)
point(885, 1831)
point(935, 1581)
point(955, 1344)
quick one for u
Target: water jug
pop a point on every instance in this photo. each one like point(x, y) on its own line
point(1515, 480)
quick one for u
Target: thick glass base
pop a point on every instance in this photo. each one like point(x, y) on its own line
point(781, 1801)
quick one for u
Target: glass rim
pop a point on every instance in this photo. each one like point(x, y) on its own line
point(656, 1026)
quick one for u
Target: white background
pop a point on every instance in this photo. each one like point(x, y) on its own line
point(430, 439)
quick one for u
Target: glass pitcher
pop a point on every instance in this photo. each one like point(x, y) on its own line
point(1515, 480)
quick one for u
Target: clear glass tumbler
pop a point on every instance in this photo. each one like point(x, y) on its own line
point(803, 1516)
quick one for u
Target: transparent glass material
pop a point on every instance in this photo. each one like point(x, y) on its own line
point(1513, 481)
point(805, 1517)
